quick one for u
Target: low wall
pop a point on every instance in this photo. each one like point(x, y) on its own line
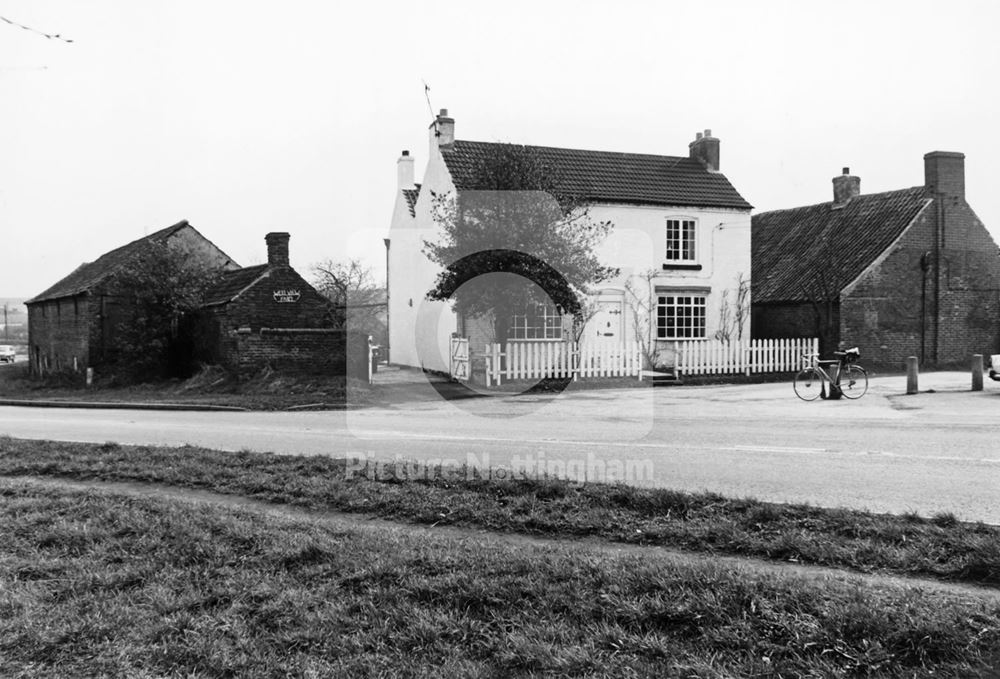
point(321, 351)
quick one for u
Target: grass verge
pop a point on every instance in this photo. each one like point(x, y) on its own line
point(265, 390)
point(95, 584)
point(939, 547)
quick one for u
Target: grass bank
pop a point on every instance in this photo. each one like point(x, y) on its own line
point(938, 547)
point(95, 584)
point(265, 390)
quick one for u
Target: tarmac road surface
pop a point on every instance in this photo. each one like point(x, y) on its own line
point(890, 452)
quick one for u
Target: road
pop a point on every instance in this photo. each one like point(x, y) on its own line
point(889, 452)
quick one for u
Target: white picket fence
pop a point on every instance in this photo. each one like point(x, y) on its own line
point(537, 359)
point(540, 359)
point(713, 357)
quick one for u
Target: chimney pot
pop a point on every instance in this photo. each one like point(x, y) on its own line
point(277, 248)
point(705, 149)
point(404, 171)
point(845, 187)
point(944, 173)
point(405, 152)
point(443, 130)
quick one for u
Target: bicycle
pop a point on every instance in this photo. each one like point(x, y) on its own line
point(850, 379)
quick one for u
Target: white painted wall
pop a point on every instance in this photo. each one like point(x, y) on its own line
point(420, 330)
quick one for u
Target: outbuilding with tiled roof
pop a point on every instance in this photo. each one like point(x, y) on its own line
point(268, 315)
point(911, 272)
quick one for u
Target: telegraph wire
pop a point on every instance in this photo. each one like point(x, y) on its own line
point(50, 36)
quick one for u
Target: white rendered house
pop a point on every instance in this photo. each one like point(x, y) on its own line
point(681, 239)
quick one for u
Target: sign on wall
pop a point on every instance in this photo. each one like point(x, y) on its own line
point(286, 296)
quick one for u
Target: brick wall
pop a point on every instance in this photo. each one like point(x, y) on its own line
point(890, 313)
point(283, 323)
point(59, 334)
point(317, 351)
point(791, 321)
point(258, 308)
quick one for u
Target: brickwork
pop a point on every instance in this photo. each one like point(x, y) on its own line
point(280, 322)
point(72, 325)
point(262, 306)
point(791, 321)
point(891, 311)
point(318, 351)
point(59, 332)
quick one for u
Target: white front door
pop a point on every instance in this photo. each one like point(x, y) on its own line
point(607, 322)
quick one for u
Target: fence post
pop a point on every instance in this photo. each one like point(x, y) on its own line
point(911, 375)
point(977, 372)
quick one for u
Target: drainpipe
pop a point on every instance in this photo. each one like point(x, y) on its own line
point(938, 238)
point(925, 263)
point(388, 334)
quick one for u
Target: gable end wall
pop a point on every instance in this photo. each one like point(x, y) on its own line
point(889, 312)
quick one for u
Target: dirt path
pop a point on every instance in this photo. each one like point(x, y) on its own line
point(358, 522)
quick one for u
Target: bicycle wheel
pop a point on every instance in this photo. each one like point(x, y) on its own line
point(808, 384)
point(853, 381)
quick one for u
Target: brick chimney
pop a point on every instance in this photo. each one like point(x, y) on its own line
point(404, 171)
point(944, 172)
point(845, 187)
point(705, 149)
point(277, 248)
point(443, 129)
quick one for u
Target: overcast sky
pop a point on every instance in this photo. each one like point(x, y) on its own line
point(248, 117)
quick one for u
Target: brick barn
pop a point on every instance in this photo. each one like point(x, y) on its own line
point(902, 273)
point(269, 315)
point(73, 324)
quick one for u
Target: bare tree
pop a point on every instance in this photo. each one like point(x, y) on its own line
point(358, 300)
point(589, 306)
point(734, 312)
point(742, 309)
point(640, 297)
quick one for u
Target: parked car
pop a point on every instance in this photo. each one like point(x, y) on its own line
point(6, 353)
point(995, 367)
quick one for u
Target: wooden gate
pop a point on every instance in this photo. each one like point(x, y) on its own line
point(459, 359)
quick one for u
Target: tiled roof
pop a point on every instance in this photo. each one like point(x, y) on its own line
point(607, 177)
point(233, 283)
point(800, 252)
point(89, 274)
point(411, 196)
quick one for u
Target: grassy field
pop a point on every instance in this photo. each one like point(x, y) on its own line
point(264, 391)
point(94, 584)
point(937, 547)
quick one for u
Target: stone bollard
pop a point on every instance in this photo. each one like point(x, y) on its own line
point(977, 372)
point(90, 377)
point(911, 375)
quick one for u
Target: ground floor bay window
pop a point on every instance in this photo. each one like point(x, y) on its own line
point(680, 315)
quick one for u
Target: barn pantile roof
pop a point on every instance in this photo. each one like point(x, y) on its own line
point(233, 283)
point(90, 274)
point(608, 177)
point(805, 251)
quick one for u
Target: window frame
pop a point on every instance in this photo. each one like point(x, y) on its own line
point(544, 322)
point(692, 325)
point(681, 245)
